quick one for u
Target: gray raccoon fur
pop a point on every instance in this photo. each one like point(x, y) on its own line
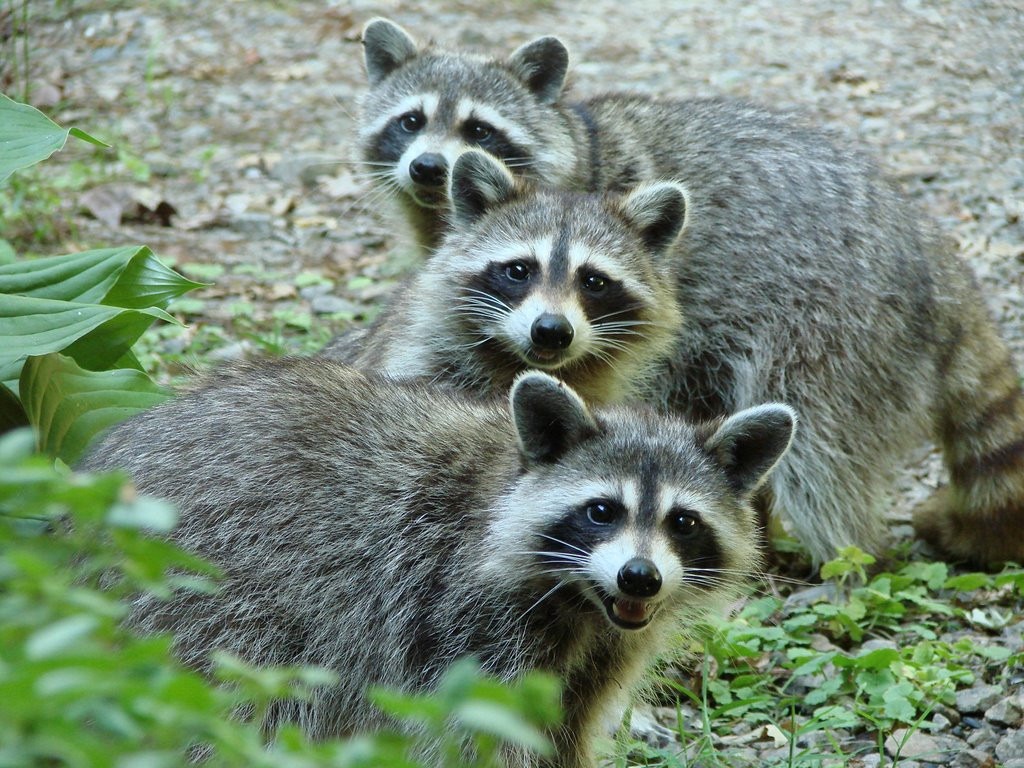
point(383, 530)
point(774, 179)
point(841, 305)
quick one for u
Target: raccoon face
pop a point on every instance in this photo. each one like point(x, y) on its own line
point(426, 107)
point(637, 514)
point(555, 281)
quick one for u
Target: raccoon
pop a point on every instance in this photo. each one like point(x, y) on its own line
point(383, 530)
point(867, 324)
point(424, 107)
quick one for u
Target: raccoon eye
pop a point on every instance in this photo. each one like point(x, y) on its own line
point(685, 524)
point(478, 131)
point(602, 512)
point(517, 271)
point(411, 122)
point(594, 283)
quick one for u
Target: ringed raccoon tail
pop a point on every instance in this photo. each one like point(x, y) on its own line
point(979, 516)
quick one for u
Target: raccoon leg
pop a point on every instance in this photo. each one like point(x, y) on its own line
point(832, 498)
point(980, 426)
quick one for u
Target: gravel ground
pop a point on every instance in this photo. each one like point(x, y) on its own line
point(244, 113)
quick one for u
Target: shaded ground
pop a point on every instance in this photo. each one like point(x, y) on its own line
point(239, 117)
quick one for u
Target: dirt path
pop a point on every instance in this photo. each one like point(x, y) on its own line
point(244, 114)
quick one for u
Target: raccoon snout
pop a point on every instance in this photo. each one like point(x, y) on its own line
point(551, 331)
point(429, 170)
point(639, 577)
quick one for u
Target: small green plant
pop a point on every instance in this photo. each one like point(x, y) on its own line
point(69, 322)
point(801, 672)
point(77, 688)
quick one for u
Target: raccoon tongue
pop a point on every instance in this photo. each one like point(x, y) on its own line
point(630, 611)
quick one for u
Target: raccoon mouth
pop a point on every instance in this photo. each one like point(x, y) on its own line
point(629, 614)
point(545, 358)
point(425, 198)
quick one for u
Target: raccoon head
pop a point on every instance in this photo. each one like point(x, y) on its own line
point(425, 107)
point(636, 513)
point(572, 284)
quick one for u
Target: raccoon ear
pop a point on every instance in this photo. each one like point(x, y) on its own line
point(549, 417)
point(750, 443)
point(386, 47)
point(478, 183)
point(542, 66)
point(658, 211)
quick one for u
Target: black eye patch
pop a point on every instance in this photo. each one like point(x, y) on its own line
point(511, 281)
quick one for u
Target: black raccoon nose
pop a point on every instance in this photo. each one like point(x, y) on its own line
point(429, 169)
point(551, 331)
point(639, 577)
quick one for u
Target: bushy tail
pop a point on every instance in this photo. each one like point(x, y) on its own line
point(980, 427)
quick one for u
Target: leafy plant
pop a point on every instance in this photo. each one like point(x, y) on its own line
point(803, 671)
point(79, 689)
point(67, 321)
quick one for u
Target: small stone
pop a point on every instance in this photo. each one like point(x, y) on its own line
point(872, 760)
point(311, 292)
point(978, 699)
point(934, 749)
point(1011, 747)
point(940, 722)
point(303, 168)
point(1014, 762)
point(331, 305)
point(878, 644)
point(984, 739)
point(241, 350)
point(1008, 712)
point(973, 758)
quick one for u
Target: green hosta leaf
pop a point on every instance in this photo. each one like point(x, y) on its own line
point(130, 277)
point(12, 415)
point(96, 336)
point(69, 406)
point(28, 136)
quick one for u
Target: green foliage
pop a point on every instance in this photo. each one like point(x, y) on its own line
point(79, 689)
point(91, 307)
point(28, 136)
point(69, 405)
point(805, 668)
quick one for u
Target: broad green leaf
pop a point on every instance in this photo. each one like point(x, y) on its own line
point(12, 415)
point(488, 717)
point(69, 406)
point(130, 277)
point(57, 637)
point(969, 581)
point(27, 136)
point(96, 336)
point(7, 255)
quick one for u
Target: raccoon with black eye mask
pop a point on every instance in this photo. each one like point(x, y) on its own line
point(659, 294)
point(542, 286)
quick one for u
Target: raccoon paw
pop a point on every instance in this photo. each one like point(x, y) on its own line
point(644, 727)
point(985, 536)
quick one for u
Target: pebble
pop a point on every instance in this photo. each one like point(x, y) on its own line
point(330, 305)
point(936, 749)
point(984, 739)
point(978, 699)
point(973, 758)
point(1008, 713)
point(1011, 746)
